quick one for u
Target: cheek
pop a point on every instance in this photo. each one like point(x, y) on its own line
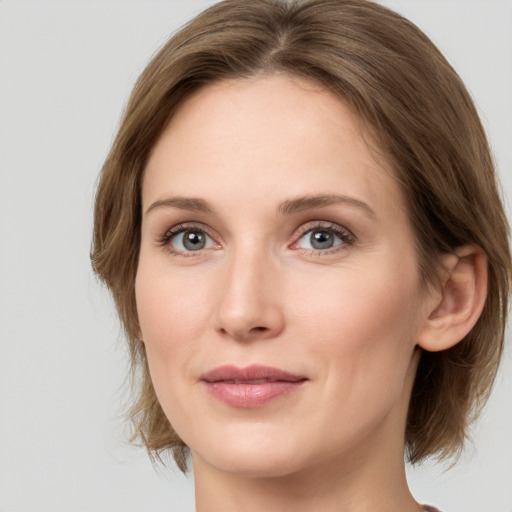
point(171, 319)
point(362, 326)
point(169, 308)
point(360, 329)
point(172, 316)
point(355, 303)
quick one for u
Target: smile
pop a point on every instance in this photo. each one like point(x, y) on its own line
point(250, 387)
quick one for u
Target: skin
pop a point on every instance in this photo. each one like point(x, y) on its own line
point(349, 318)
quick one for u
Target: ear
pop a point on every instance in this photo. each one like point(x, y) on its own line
point(458, 301)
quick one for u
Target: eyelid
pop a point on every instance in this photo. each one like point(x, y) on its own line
point(170, 233)
point(180, 227)
point(346, 236)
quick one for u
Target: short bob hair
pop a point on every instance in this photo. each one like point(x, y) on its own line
point(426, 124)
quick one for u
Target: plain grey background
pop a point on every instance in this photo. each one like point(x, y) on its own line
point(66, 69)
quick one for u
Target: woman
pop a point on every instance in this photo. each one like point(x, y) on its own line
point(300, 225)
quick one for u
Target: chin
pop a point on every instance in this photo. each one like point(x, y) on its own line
point(256, 456)
point(261, 465)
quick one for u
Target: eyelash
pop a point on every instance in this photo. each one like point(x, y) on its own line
point(345, 236)
point(172, 233)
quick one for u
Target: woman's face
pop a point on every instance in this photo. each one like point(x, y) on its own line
point(278, 292)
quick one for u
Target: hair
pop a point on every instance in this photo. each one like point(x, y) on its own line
point(399, 83)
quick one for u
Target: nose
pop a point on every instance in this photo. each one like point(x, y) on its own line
point(249, 307)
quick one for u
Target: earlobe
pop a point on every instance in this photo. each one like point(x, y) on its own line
point(460, 301)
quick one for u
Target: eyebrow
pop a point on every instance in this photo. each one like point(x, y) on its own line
point(304, 203)
point(183, 203)
point(287, 207)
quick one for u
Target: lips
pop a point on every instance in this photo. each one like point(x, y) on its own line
point(253, 386)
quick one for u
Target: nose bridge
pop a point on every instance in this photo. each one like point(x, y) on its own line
point(248, 307)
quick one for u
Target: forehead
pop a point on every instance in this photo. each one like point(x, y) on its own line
point(280, 133)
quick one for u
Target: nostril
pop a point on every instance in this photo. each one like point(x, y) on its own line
point(259, 329)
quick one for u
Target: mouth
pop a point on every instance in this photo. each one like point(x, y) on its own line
point(250, 387)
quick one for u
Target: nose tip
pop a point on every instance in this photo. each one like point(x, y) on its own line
point(248, 307)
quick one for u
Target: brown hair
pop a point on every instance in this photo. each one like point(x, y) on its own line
point(400, 84)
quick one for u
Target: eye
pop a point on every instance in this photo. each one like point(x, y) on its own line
point(191, 240)
point(187, 239)
point(324, 238)
point(319, 239)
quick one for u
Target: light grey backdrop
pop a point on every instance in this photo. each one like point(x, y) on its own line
point(66, 68)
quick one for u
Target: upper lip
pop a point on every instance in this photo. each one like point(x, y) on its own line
point(254, 374)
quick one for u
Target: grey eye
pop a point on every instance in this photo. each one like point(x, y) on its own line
point(321, 239)
point(191, 240)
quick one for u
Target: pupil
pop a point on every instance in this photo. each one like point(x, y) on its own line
point(194, 240)
point(321, 240)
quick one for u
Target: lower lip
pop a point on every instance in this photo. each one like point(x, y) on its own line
point(249, 396)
